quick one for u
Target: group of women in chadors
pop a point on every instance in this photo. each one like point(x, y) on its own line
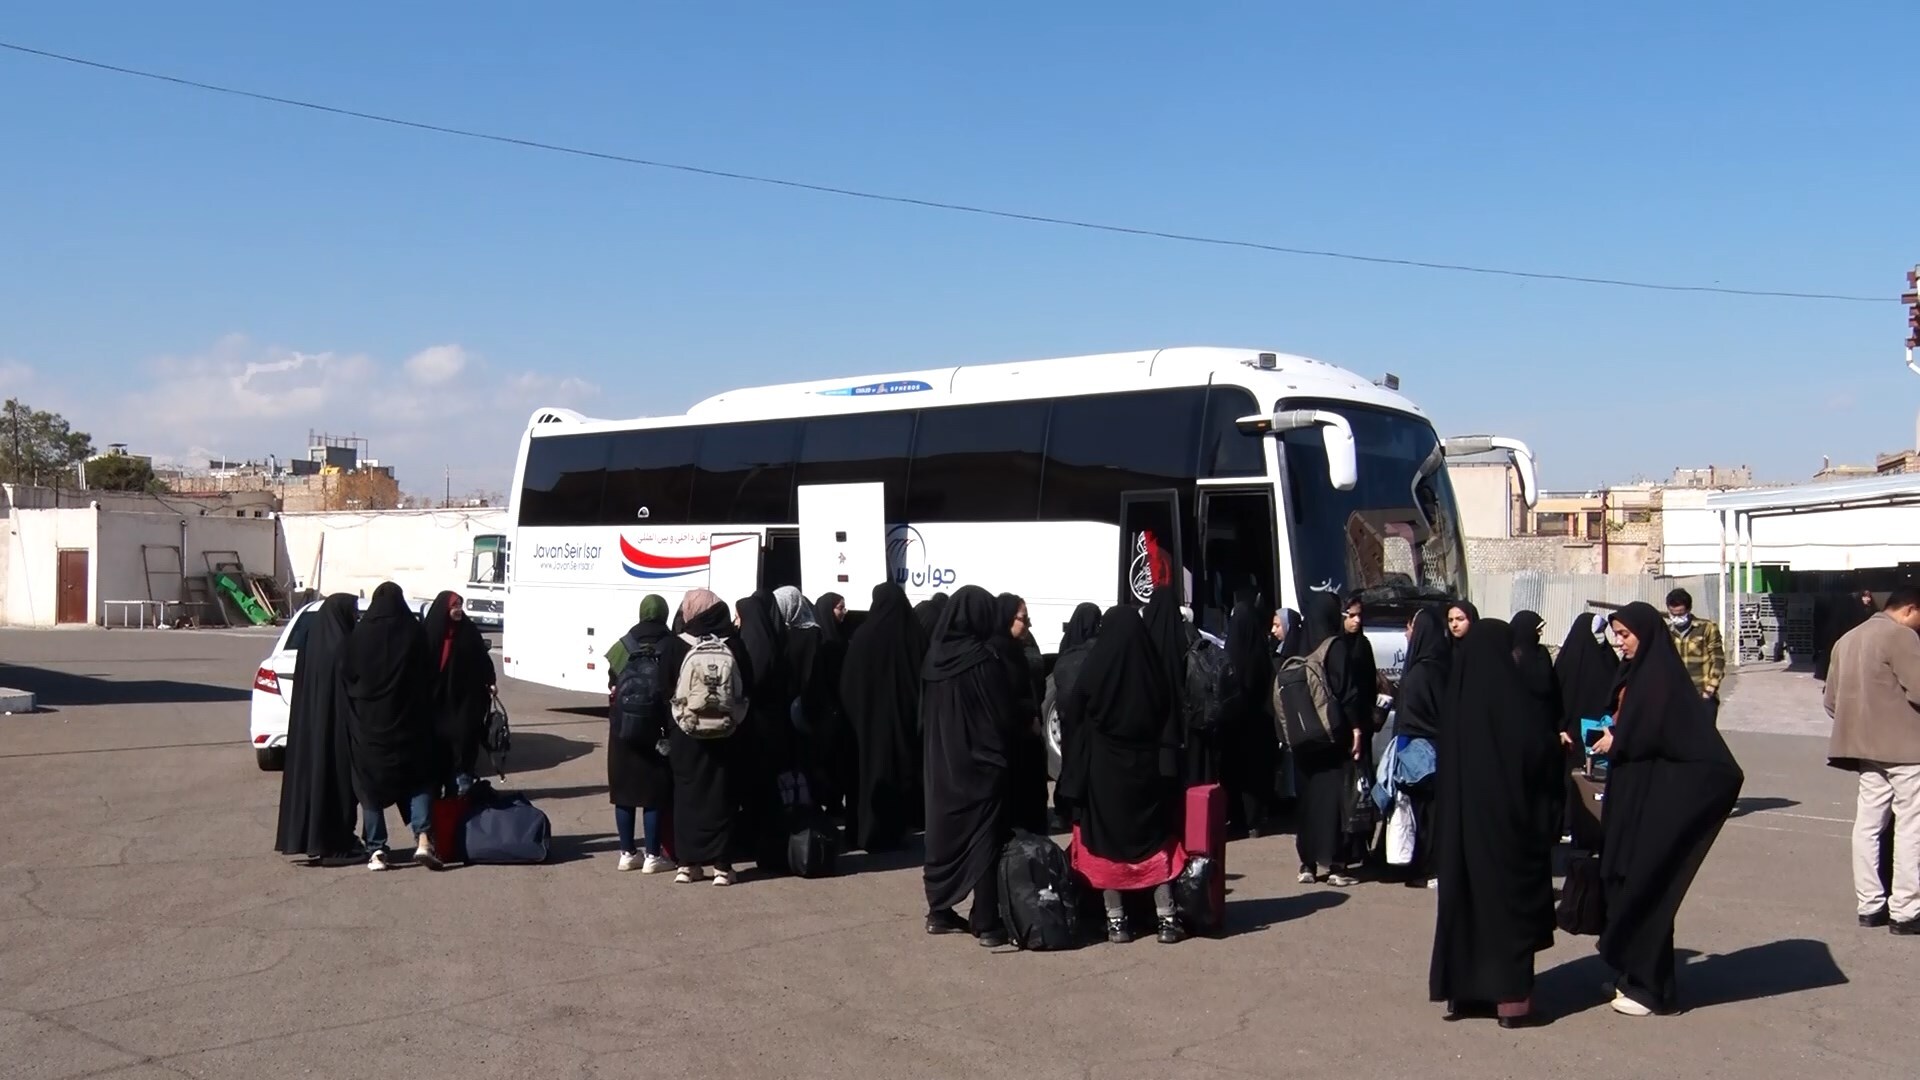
point(388, 708)
point(928, 719)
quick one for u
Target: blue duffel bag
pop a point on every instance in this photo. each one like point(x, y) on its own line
point(505, 828)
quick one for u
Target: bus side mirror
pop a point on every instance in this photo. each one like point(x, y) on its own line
point(1517, 452)
point(1343, 461)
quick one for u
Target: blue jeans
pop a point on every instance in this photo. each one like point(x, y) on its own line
point(623, 824)
point(373, 821)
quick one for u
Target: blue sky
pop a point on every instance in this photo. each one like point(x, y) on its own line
point(198, 274)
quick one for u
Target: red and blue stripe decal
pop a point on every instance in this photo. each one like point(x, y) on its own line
point(645, 564)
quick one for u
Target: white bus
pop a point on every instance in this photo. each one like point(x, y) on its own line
point(1091, 478)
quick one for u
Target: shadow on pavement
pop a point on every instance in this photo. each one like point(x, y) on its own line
point(62, 688)
point(1759, 803)
point(1254, 915)
point(536, 750)
point(1755, 973)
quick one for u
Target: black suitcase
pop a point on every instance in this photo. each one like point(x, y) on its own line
point(813, 849)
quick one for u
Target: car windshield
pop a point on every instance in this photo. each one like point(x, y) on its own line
point(1395, 538)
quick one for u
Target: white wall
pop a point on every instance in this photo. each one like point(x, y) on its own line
point(34, 540)
point(1830, 540)
point(120, 569)
point(426, 551)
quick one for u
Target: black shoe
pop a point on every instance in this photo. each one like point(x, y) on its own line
point(993, 939)
point(1057, 823)
point(1527, 1020)
point(1117, 932)
point(1874, 921)
point(1170, 931)
point(1904, 927)
point(1458, 1011)
point(946, 922)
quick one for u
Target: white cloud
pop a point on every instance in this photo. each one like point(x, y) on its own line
point(442, 407)
point(439, 364)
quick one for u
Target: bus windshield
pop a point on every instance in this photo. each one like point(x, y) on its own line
point(1395, 538)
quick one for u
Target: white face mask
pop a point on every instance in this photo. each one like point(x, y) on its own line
point(1680, 622)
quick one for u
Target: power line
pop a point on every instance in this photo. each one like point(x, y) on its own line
point(931, 204)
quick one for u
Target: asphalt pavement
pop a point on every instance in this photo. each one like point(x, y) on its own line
point(148, 931)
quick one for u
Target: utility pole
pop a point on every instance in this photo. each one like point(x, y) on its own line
point(449, 499)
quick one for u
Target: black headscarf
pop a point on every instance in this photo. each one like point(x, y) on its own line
point(1250, 650)
point(1122, 702)
point(1423, 680)
point(462, 676)
point(765, 639)
point(1536, 668)
point(1586, 670)
point(1081, 627)
point(1167, 636)
point(969, 724)
point(1472, 613)
point(316, 786)
point(831, 629)
point(928, 612)
point(963, 637)
point(1013, 653)
point(880, 690)
point(387, 680)
point(1352, 676)
point(1671, 785)
point(1494, 826)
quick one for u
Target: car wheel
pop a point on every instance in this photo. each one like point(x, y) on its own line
point(271, 758)
point(1053, 742)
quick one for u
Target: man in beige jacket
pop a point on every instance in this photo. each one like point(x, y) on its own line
point(1873, 695)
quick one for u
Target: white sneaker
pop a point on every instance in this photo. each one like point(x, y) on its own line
point(628, 861)
point(656, 864)
point(1306, 877)
point(1433, 883)
point(1626, 1006)
point(1342, 881)
point(722, 878)
point(377, 861)
point(687, 875)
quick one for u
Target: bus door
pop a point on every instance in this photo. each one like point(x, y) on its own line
point(1237, 552)
point(1150, 545)
point(733, 567)
point(843, 539)
point(781, 563)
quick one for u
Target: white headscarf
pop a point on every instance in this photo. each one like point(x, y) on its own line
point(794, 608)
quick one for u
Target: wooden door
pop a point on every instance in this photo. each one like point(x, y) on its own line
point(70, 605)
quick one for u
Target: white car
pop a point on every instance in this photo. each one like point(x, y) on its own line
point(273, 686)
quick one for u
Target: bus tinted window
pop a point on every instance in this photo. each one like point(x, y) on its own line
point(564, 477)
point(1224, 451)
point(977, 463)
point(745, 474)
point(650, 471)
point(859, 449)
point(1102, 446)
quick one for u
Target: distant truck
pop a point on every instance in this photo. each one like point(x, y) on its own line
point(486, 592)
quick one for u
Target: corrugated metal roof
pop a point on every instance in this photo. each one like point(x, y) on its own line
point(1832, 495)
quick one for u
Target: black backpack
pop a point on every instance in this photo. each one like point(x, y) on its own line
point(639, 699)
point(1209, 677)
point(1039, 903)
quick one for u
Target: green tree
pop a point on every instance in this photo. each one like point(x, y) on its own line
point(123, 472)
point(38, 447)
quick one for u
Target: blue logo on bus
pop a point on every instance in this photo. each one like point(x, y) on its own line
point(907, 561)
point(905, 386)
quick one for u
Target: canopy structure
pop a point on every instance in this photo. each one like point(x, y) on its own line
point(1738, 509)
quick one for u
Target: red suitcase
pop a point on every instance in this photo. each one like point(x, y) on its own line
point(445, 823)
point(1206, 834)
